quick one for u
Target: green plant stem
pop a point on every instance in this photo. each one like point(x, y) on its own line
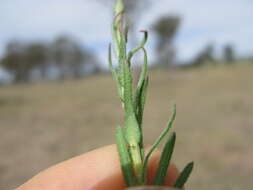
point(129, 138)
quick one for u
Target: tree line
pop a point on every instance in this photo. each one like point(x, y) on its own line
point(62, 58)
point(65, 57)
point(207, 55)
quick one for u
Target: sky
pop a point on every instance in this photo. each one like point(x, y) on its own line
point(203, 21)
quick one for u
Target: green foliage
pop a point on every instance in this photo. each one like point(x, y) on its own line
point(126, 159)
point(184, 175)
point(159, 139)
point(129, 138)
point(164, 161)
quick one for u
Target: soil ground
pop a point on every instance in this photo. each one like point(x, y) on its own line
point(45, 123)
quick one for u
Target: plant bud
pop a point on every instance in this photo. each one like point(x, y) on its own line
point(119, 6)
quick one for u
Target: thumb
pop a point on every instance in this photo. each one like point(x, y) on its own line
point(95, 170)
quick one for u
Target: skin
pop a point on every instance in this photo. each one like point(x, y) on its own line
point(95, 170)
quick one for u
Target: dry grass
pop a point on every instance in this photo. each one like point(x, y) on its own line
point(42, 124)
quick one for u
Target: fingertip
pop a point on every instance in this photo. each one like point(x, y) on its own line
point(172, 174)
point(95, 170)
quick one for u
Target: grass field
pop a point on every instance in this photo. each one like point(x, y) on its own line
point(42, 124)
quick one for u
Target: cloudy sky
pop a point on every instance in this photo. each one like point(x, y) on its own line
point(204, 21)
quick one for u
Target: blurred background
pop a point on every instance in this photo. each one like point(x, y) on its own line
point(58, 100)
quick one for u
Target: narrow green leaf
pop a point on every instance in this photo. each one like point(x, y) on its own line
point(124, 157)
point(127, 85)
point(143, 74)
point(115, 36)
point(133, 137)
point(122, 47)
point(159, 139)
point(164, 161)
point(144, 69)
point(138, 47)
point(141, 102)
point(184, 175)
point(132, 131)
point(126, 33)
point(140, 97)
point(139, 113)
point(119, 37)
point(114, 73)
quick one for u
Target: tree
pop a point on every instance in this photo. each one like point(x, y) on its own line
point(70, 57)
point(79, 58)
point(229, 53)
point(166, 28)
point(36, 55)
point(14, 61)
point(20, 59)
point(60, 52)
point(64, 53)
point(206, 55)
